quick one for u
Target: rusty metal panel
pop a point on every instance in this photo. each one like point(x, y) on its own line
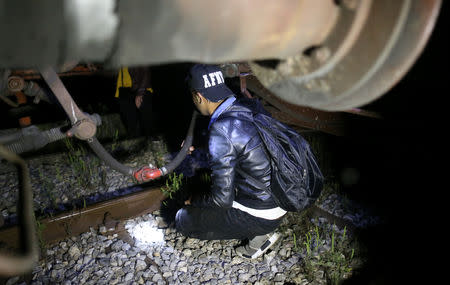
point(328, 122)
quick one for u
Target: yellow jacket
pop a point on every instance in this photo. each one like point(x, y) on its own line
point(124, 80)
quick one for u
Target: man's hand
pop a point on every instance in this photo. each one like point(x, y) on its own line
point(187, 202)
point(138, 100)
point(191, 148)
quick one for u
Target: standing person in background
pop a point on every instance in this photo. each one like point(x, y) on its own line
point(135, 95)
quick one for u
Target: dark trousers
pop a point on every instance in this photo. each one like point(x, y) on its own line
point(138, 121)
point(219, 223)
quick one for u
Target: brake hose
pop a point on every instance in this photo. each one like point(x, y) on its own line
point(145, 173)
point(107, 158)
point(84, 127)
point(184, 150)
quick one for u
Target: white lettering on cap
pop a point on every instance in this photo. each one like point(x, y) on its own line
point(205, 79)
point(219, 77)
point(213, 76)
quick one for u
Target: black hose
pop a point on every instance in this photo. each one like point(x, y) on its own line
point(184, 150)
point(127, 170)
point(107, 158)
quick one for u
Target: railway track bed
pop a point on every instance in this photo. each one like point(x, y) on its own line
point(125, 240)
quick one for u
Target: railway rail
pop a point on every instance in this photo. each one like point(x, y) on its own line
point(110, 214)
point(74, 222)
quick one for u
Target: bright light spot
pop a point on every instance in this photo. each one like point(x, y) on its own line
point(146, 233)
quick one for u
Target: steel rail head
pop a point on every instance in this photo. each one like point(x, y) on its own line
point(24, 262)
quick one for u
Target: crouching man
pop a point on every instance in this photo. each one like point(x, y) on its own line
point(234, 208)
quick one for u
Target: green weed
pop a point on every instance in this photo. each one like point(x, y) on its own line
point(173, 184)
point(336, 262)
point(84, 169)
point(39, 230)
point(59, 176)
point(307, 244)
point(324, 249)
point(295, 242)
point(159, 151)
point(115, 141)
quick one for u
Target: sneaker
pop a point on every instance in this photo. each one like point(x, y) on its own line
point(258, 245)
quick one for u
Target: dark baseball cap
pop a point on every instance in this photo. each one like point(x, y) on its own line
point(209, 81)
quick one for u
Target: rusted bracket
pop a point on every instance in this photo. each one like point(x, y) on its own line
point(328, 122)
point(244, 71)
point(84, 126)
point(241, 70)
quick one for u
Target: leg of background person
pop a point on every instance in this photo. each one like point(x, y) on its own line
point(147, 116)
point(129, 114)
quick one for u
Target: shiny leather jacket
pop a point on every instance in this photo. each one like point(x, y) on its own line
point(234, 143)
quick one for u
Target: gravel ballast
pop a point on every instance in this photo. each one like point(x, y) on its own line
point(150, 252)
